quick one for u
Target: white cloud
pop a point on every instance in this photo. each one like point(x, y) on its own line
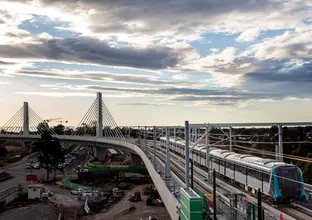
point(68, 94)
point(4, 83)
point(248, 35)
point(146, 104)
point(45, 36)
point(170, 21)
point(291, 45)
point(104, 77)
point(181, 77)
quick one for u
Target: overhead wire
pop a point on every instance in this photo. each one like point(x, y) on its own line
point(89, 121)
point(110, 117)
point(17, 123)
point(16, 113)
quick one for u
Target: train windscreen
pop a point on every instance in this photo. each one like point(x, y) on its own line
point(288, 179)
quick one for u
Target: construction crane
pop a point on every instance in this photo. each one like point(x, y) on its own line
point(62, 122)
point(56, 120)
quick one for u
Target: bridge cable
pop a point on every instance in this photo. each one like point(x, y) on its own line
point(113, 122)
point(79, 129)
point(8, 125)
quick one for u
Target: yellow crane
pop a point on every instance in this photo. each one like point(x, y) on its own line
point(58, 120)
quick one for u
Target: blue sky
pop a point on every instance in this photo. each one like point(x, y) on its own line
point(197, 60)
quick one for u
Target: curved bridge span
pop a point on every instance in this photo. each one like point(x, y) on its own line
point(169, 200)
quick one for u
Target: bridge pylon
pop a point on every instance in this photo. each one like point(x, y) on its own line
point(26, 122)
point(98, 122)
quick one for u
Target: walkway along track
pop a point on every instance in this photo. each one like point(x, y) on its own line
point(297, 212)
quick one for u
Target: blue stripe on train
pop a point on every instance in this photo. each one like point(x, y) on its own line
point(277, 192)
point(302, 195)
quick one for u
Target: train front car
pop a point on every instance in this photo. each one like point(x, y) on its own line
point(288, 184)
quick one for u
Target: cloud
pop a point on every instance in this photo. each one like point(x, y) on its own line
point(297, 74)
point(180, 77)
point(67, 94)
point(4, 83)
point(289, 79)
point(94, 51)
point(56, 94)
point(144, 22)
point(248, 35)
point(290, 45)
point(2, 63)
point(105, 77)
point(225, 97)
point(146, 104)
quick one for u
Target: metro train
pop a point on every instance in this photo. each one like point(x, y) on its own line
point(281, 182)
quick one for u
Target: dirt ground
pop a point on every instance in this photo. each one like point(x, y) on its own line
point(120, 211)
point(33, 212)
point(62, 201)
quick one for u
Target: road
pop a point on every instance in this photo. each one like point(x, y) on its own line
point(19, 172)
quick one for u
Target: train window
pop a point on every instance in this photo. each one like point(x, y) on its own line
point(254, 173)
point(230, 165)
point(244, 170)
point(266, 177)
point(221, 162)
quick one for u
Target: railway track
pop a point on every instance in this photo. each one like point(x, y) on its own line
point(202, 185)
point(223, 203)
point(298, 213)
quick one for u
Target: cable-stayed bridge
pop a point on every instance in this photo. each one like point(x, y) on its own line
point(98, 128)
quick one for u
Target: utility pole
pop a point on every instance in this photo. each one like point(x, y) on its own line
point(192, 177)
point(167, 165)
point(154, 138)
point(145, 136)
point(231, 139)
point(139, 134)
point(280, 142)
point(260, 217)
point(214, 193)
point(187, 155)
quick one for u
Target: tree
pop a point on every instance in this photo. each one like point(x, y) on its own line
point(43, 126)
point(50, 153)
point(59, 129)
point(3, 151)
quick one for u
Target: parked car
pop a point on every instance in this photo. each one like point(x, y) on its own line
point(83, 196)
point(36, 166)
point(5, 176)
point(76, 191)
point(28, 165)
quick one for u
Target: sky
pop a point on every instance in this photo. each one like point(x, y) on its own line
point(158, 62)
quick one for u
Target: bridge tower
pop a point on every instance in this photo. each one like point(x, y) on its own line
point(99, 123)
point(26, 120)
